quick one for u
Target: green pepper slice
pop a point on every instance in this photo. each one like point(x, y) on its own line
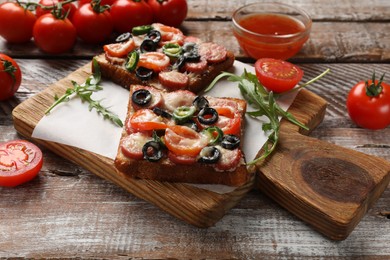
point(143, 29)
point(183, 114)
point(172, 50)
point(215, 133)
point(132, 60)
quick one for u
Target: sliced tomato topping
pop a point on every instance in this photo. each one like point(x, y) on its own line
point(181, 159)
point(169, 34)
point(156, 61)
point(119, 49)
point(20, 161)
point(182, 140)
point(131, 145)
point(229, 159)
point(228, 120)
point(145, 120)
point(173, 79)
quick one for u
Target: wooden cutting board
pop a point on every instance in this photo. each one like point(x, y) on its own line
point(303, 175)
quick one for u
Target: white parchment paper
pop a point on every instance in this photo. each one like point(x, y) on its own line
point(72, 123)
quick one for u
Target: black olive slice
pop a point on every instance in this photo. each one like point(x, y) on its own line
point(191, 56)
point(155, 36)
point(148, 45)
point(200, 102)
point(152, 151)
point(208, 116)
point(123, 37)
point(141, 97)
point(144, 73)
point(162, 112)
point(209, 154)
point(230, 142)
point(190, 46)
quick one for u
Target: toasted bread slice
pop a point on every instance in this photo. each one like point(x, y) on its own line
point(229, 169)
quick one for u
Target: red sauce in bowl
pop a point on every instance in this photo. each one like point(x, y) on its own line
point(265, 35)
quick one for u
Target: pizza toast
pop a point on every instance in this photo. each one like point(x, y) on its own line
point(174, 137)
point(163, 57)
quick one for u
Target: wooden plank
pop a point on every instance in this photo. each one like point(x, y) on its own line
point(69, 212)
point(329, 42)
point(333, 10)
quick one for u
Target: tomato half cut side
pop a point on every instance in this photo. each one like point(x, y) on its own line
point(277, 75)
point(20, 162)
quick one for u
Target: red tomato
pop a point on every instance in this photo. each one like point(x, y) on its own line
point(16, 23)
point(127, 14)
point(368, 104)
point(169, 12)
point(20, 161)
point(102, 2)
point(54, 35)
point(228, 121)
point(10, 77)
point(92, 24)
point(156, 61)
point(277, 75)
point(146, 119)
point(120, 49)
point(182, 140)
point(70, 7)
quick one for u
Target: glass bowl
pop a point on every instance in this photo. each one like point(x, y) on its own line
point(271, 30)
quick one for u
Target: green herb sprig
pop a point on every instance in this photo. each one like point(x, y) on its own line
point(84, 92)
point(265, 104)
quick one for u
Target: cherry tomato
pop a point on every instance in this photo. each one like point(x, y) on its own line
point(102, 2)
point(10, 77)
point(169, 12)
point(69, 8)
point(182, 140)
point(93, 23)
point(20, 161)
point(127, 14)
point(54, 35)
point(16, 23)
point(277, 75)
point(368, 104)
point(228, 121)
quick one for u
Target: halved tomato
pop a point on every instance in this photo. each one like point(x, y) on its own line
point(20, 161)
point(183, 140)
point(228, 120)
point(277, 75)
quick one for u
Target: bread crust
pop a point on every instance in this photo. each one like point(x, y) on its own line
point(197, 81)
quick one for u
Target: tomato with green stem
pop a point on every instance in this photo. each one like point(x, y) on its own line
point(46, 6)
point(54, 33)
point(93, 22)
point(20, 162)
point(16, 22)
point(276, 75)
point(169, 12)
point(10, 77)
point(368, 103)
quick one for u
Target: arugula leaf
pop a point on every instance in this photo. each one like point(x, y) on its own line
point(84, 92)
point(265, 104)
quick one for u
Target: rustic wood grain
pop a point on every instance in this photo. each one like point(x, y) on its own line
point(69, 212)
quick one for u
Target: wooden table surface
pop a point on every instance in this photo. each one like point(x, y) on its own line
point(68, 212)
